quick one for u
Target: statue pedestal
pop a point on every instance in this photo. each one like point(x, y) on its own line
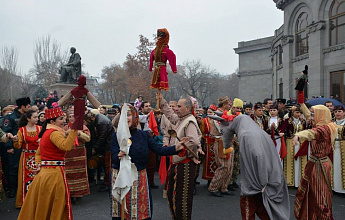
point(62, 88)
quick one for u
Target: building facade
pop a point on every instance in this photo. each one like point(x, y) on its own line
point(313, 34)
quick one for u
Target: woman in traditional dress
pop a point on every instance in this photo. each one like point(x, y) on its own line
point(48, 196)
point(28, 140)
point(293, 169)
point(138, 199)
point(209, 164)
point(314, 195)
point(275, 127)
point(76, 164)
point(339, 152)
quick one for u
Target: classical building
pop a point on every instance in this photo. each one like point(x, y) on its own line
point(313, 34)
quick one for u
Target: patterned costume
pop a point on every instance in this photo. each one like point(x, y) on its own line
point(138, 199)
point(314, 195)
point(293, 169)
point(48, 196)
point(223, 173)
point(209, 164)
point(27, 140)
point(76, 166)
point(182, 172)
point(339, 159)
point(159, 57)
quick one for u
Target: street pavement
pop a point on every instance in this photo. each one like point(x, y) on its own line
point(205, 207)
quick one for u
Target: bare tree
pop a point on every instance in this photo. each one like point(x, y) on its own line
point(195, 79)
point(47, 60)
point(9, 59)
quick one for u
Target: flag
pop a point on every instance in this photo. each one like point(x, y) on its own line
point(153, 124)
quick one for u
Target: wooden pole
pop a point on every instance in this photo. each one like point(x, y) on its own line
point(123, 209)
point(158, 104)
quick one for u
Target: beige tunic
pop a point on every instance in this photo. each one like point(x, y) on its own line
point(185, 127)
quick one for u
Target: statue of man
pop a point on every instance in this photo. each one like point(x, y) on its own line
point(72, 70)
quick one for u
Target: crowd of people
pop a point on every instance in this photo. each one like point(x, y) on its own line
point(43, 149)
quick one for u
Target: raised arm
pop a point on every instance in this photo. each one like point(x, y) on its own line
point(61, 142)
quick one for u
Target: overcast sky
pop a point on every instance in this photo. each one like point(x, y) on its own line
point(105, 31)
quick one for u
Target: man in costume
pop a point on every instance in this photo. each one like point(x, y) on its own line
point(339, 152)
point(263, 186)
point(222, 176)
point(236, 109)
point(259, 117)
point(182, 172)
point(11, 126)
point(282, 108)
point(267, 104)
point(167, 141)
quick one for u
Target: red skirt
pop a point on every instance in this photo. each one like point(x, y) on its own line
point(137, 199)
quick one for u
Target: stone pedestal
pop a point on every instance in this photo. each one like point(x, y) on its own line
point(62, 88)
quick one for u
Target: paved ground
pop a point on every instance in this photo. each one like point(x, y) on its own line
point(205, 207)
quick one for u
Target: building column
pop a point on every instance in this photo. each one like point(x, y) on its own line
point(316, 77)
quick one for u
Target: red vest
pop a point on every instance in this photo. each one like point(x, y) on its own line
point(48, 150)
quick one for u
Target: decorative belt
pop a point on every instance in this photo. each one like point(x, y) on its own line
point(29, 151)
point(319, 166)
point(53, 163)
point(160, 64)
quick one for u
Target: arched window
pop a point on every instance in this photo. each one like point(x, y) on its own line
point(337, 22)
point(301, 34)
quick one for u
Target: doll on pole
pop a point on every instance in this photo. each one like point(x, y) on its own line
point(158, 60)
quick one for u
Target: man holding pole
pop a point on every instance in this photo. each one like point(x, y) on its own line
point(182, 171)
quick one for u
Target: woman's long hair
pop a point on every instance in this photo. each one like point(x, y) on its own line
point(44, 126)
point(23, 121)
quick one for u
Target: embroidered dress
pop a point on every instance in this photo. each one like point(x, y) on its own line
point(28, 141)
point(339, 160)
point(293, 169)
point(138, 199)
point(314, 195)
point(48, 196)
point(209, 164)
point(160, 77)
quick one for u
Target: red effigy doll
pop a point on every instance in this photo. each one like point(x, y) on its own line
point(160, 55)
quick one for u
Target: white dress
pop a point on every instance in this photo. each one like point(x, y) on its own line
point(337, 174)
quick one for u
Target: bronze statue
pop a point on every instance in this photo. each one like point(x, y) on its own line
point(72, 70)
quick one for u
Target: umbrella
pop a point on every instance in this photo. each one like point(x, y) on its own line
point(321, 101)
